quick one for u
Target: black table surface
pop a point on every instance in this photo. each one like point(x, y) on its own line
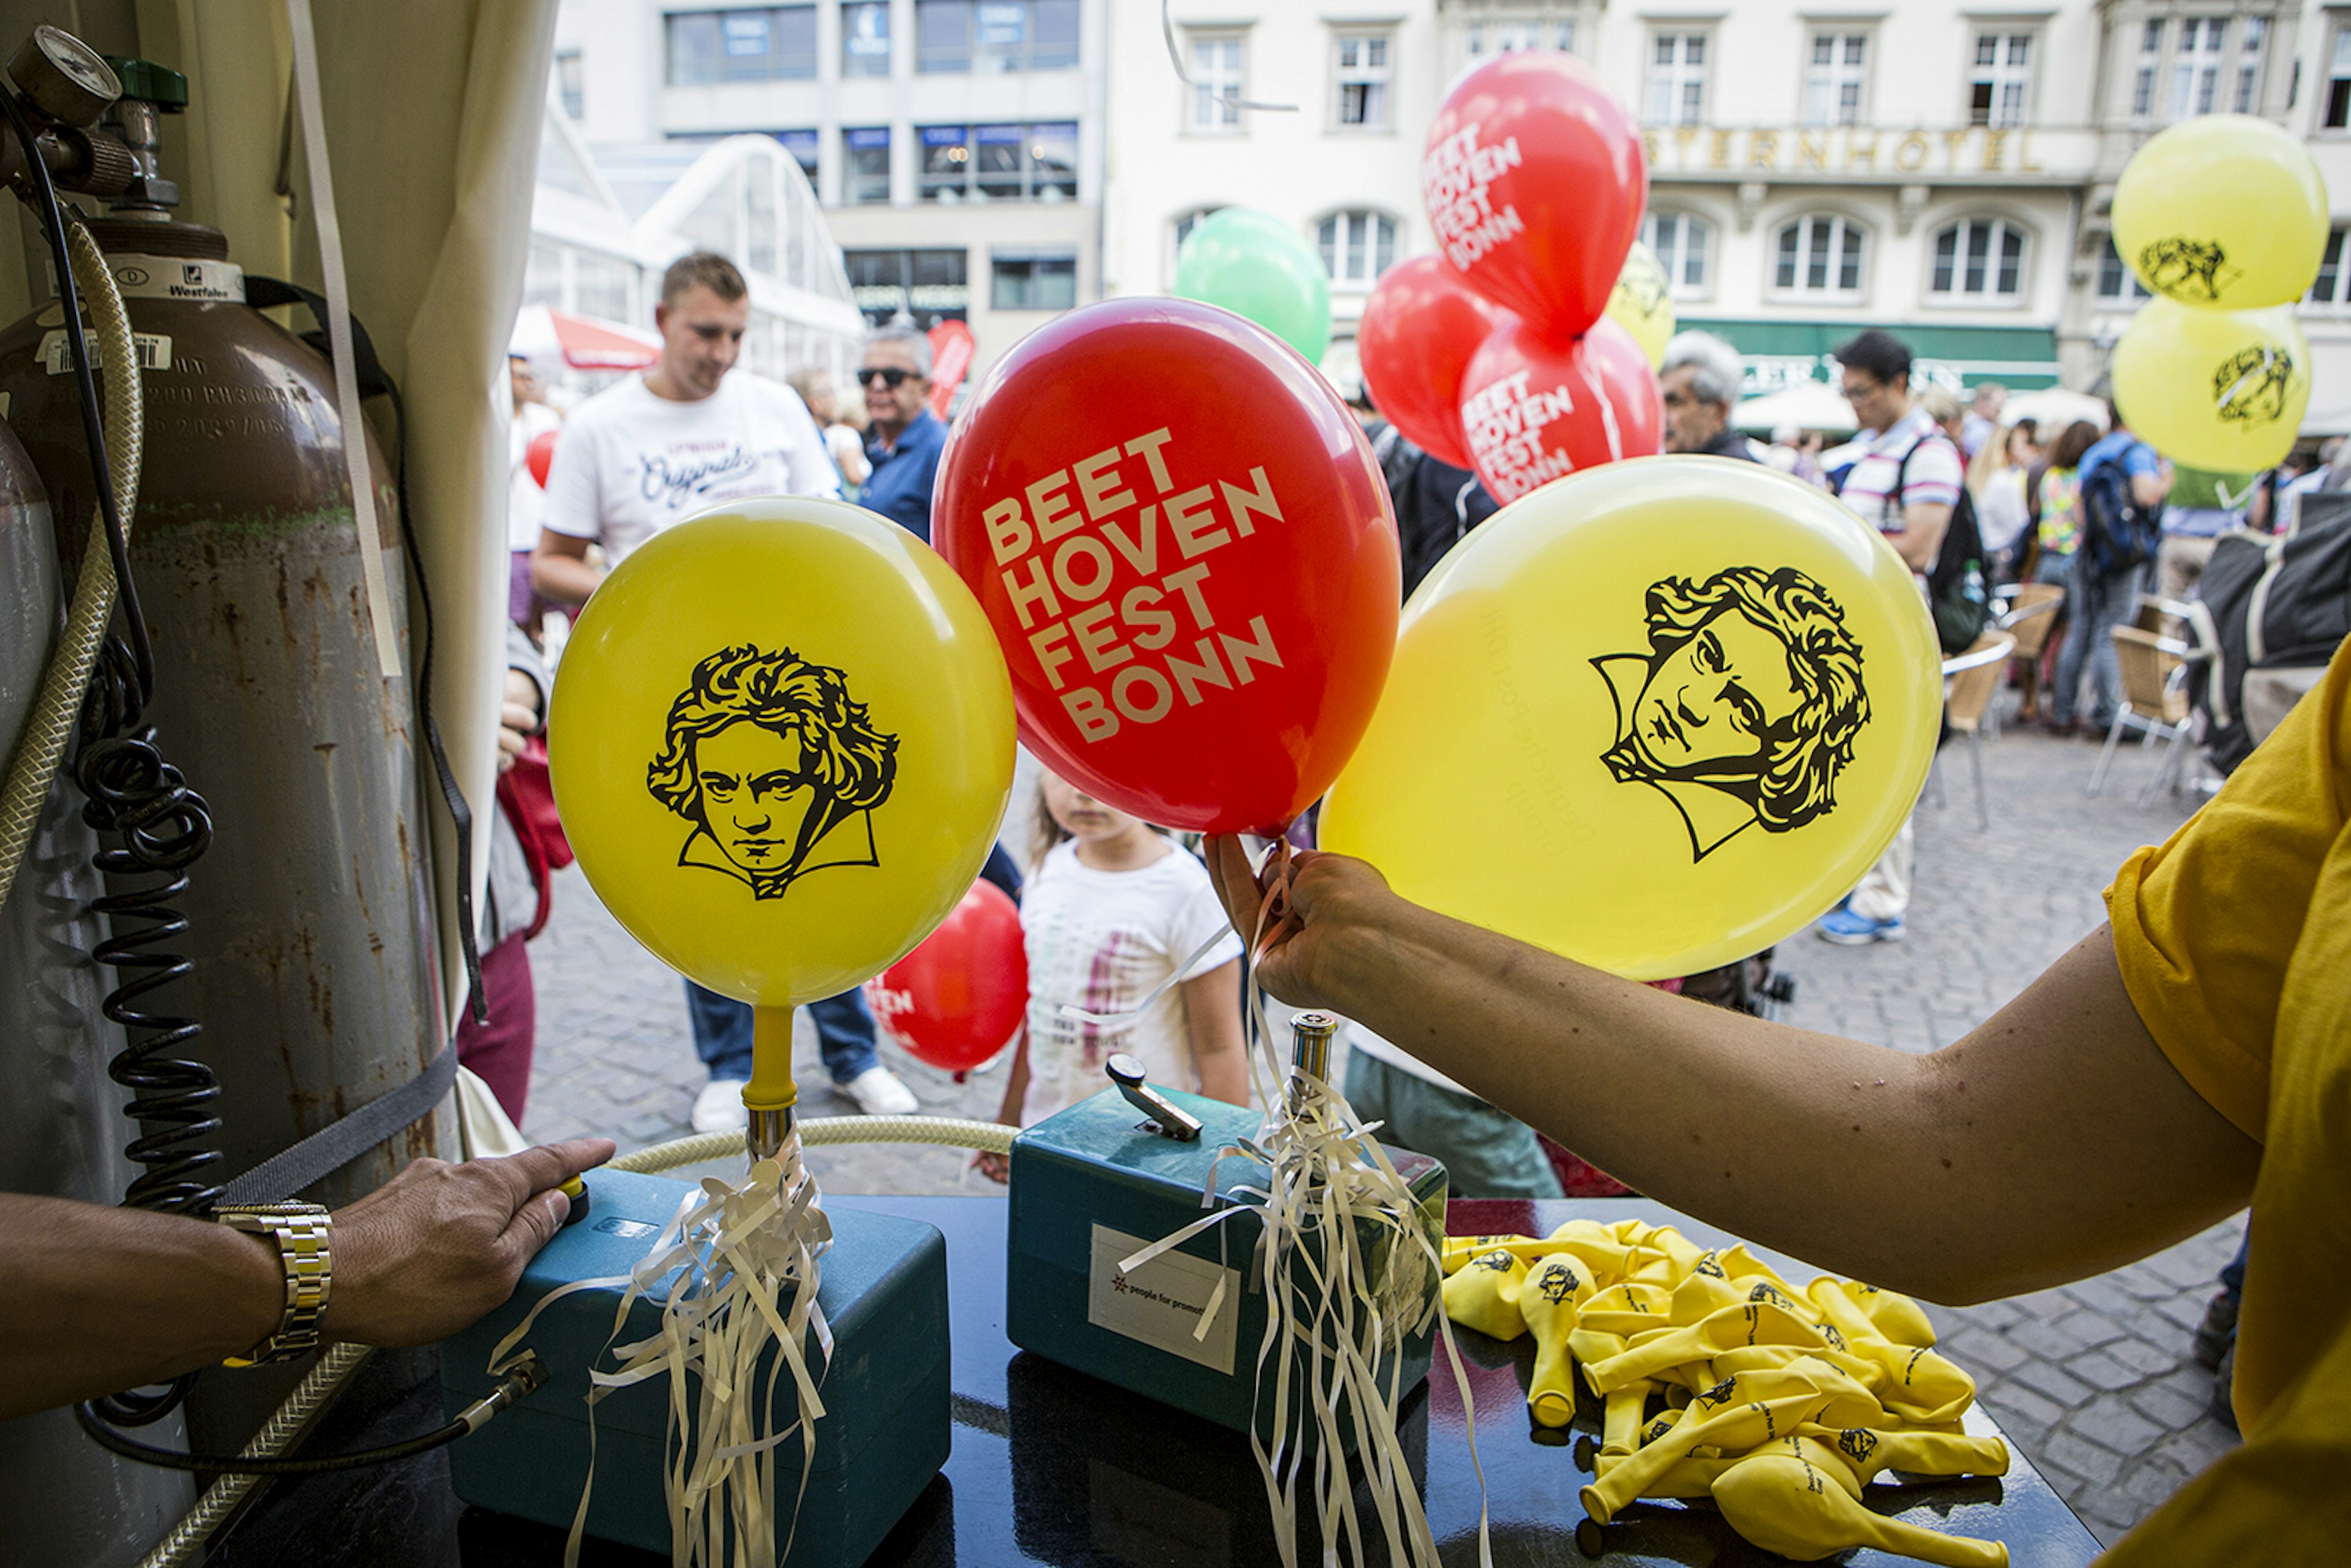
point(1052, 1467)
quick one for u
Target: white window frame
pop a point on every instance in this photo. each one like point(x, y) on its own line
point(1179, 226)
point(1213, 94)
point(2199, 60)
point(2334, 273)
point(1829, 84)
point(1486, 36)
point(2339, 74)
point(2009, 102)
point(1999, 230)
point(2132, 292)
point(2194, 62)
point(2253, 64)
point(1672, 257)
point(1812, 226)
point(1373, 69)
point(1356, 240)
point(1674, 88)
point(2155, 31)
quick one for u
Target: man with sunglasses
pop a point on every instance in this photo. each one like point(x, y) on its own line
point(903, 437)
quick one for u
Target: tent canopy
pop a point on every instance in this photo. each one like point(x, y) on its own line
point(582, 342)
point(1806, 405)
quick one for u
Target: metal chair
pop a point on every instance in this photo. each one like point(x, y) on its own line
point(1968, 682)
point(2155, 698)
point(2026, 610)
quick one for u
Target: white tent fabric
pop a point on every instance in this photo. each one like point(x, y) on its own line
point(433, 111)
point(1807, 405)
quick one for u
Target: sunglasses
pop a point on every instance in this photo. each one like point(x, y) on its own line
point(889, 376)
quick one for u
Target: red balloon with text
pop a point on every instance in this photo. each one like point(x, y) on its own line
point(1420, 326)
point(1533, 414)
point(1185, 544)
point(1535, 185)
point(957, 999)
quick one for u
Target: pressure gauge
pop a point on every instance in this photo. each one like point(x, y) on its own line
point(66, 80)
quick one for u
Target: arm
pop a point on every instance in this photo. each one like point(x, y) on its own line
point(1212, 1017)
point(100, 1299)
point(2053, 1142)
point(999, 1167)
point(559, 569)
point(1921, 538)
point(2150, 488)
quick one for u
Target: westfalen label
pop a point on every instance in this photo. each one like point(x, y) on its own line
point(139, 277)
point(1160, 1303)
point(154, 349)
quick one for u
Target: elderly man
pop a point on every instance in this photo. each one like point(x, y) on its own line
point(1701, 380)
point(903, 437)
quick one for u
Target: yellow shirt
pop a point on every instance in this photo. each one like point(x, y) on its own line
point(2234, 939)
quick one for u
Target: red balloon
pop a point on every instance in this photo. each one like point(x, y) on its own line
point(955, 1000)
point(540, 454)
point(1535, 183)
point(1419, 328)
point(1533, 414)
point(1185, 544)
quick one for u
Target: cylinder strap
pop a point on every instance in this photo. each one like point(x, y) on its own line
point(339, 1143)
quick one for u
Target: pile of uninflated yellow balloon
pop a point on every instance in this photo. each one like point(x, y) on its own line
point(1779, 1404)
point(2224, 217)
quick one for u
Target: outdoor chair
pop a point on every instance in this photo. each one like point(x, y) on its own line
point(1968, 682)
point(2026, 610)
point(2155, 698)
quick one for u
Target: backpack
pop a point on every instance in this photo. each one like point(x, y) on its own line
point(1959, 590)
point(2269, 602)
point(2119, 535)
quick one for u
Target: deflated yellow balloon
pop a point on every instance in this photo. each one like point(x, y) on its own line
point(781, 742)
point(1642, 302)
point(2214, 389)
point(1655, 716)
point(2223, 211)
point(1785, 1502)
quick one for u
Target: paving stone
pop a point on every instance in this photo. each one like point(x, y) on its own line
point(1976, 1348)
point(2146, 1359)
point(2116, 1426)
point(2085, 1459)
point(2090, 1329)
point(2168, 1406)
point(2044, 1378)
point(2024, 1414)
point(2048, 1338)
point(2103, 1372)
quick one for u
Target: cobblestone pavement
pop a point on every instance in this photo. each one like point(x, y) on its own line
point(2093, 1381)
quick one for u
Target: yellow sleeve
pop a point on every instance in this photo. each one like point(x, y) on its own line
point(2205, 922)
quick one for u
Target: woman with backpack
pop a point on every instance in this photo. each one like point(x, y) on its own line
point(2123, 484)
point(2053, 494)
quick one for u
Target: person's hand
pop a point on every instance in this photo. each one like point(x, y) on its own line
point(995, 1167)
point(1326, 892)
point(517, 718)
point(439, 1245)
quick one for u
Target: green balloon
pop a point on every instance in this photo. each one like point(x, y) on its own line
point(1259, 267)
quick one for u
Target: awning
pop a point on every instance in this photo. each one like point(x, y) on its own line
point(1780, 353)
point(1806, 405)
point(581, 342)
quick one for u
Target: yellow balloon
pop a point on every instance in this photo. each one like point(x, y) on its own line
point(2224, 211)
point(1643, 304)
point(2224, 390)
point(781, 743)
point(1654, 716)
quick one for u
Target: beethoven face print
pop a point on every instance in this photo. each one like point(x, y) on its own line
point(1745, 708)
point(776, 769)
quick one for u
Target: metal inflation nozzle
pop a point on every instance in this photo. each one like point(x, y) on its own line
point(1166, 1118)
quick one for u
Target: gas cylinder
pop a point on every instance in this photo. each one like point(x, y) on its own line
point(67, 1500)
point(311, 917)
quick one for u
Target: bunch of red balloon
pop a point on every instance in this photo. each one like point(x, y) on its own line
point(1494, 354)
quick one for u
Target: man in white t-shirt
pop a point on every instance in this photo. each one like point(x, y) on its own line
point(688, 435)
point(1905, 483)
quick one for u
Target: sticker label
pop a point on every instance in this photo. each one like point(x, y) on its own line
point(177, 278)
point(626, 1230)
point(1160, 1304)
point(154, 351)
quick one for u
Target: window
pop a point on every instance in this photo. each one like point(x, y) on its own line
point(776, 44)
point(1363, 81)
point(1509, 37)
point(1018, 280)
point(2116, 281)
point(865, 39)
point(1184, 224)
point(2150, 57)
point(2256, 36)
point(868, 163)
point(1357, 246)
point(571, 82)
point(999, 162)
point(988, 37)
point(929, 286)
point(1216, 86)
point(1834, 77)
point(1681, 242)
point(1820, 255)
point(1677, 78)
point(2334, 283)
point(2338, 81)
point(2196, 65)
point(2003, 79)
point(1979, 259)
point(802, 146)
point(603, 285)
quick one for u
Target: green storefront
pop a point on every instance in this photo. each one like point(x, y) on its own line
point(1779, 353)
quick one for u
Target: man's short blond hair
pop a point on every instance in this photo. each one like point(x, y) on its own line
point(707, 268)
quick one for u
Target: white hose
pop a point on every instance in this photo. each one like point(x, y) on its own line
point(34, 769)
point(325, 1379)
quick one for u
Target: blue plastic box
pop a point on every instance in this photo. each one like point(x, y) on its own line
point(1093, 1185)
point(883, 1290)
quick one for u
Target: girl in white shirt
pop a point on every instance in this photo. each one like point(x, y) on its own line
point(1111, 908)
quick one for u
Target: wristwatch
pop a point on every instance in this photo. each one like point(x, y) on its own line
point(302, 1231)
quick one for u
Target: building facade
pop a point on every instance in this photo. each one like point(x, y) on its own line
point(1815, 168)
point(956, 146)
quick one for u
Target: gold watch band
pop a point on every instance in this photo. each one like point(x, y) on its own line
point(302, 1231)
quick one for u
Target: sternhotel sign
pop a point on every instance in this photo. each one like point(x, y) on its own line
point(1845, 152)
